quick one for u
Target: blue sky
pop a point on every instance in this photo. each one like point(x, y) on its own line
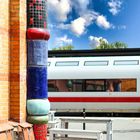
point(82, 23)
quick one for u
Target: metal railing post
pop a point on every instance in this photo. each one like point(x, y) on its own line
point(109, 131)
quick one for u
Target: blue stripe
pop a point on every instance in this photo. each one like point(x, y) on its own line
point(37, 83)
point(37, 53)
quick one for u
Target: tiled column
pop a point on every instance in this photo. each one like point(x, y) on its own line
point(38, 105)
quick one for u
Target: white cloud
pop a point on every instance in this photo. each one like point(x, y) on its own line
point(114, 6)
point(78, 26)
point(90, 16)
point(81, 6)
point(60, 8)
point(95, 41)
point(102, 22)
point(63, 26)
point(61, 41)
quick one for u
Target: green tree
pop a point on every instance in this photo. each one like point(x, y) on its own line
point(119, 45)
point(67, 47)
point(115, 45)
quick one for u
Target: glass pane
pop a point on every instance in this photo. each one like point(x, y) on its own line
point(93, 85)
point(126, 62)
point(67, 63)
point(96, 63)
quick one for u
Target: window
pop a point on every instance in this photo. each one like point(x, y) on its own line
point(93, 85)
point(96, 63)
point(67, 63)
point(126, 62)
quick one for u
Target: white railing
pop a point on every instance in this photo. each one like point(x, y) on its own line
point(64, 127)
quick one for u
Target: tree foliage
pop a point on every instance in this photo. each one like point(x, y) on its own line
point(67, 47)
point(115, 45)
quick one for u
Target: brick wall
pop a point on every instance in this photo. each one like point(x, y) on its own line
point(13, 60)
point(4, 60)
point(18, 60)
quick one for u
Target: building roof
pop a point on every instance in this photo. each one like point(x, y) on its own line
point(105, 52)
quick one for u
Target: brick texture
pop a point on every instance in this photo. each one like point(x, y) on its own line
point(4, 60)
point(17, 72)
point(12, 60)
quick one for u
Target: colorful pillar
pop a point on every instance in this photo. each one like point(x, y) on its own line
point(38, 105)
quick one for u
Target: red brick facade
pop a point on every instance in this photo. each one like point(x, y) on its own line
point(13, 60)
